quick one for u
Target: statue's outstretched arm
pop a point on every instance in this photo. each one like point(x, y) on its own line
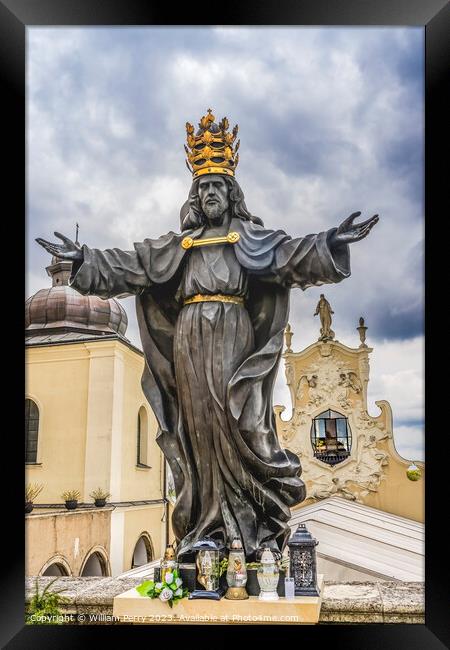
point(68, 250)
point(348, 232)
point(107, 274)
point(319, 259)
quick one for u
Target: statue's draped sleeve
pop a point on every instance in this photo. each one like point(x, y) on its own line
point(117, 273)
point(310, 261)
point(299, 262)
point(109, 273)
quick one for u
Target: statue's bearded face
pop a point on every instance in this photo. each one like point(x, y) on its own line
point(213, 193)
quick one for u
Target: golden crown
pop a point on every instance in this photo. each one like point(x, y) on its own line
point(211, 149)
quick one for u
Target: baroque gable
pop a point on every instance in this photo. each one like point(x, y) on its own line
point(328, 376)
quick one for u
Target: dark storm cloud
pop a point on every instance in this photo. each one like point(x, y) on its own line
point(318, 109)
point(331, 121)
point(407, 321)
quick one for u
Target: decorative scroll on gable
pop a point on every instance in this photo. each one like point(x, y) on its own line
point(328, 386)
point(330, 375)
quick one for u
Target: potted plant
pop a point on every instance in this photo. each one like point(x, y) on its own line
point(71, 498)
point(99, 497)
point(32, 490)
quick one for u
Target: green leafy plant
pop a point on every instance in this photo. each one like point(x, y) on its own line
point(223, 566)
point(99, 493)
point(70, 495)
point(32, 490)
point(252, 565)
point(169, 590)
point(44, 607)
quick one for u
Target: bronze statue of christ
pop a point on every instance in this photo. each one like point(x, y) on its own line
point(212, 305)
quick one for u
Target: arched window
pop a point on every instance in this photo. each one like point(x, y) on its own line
point(31, 430)
point(331, 437)
point(143, 552)
point(95, 565)
point(56, 569)
point(142, 438)
point(56, 566)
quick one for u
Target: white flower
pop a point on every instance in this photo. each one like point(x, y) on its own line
point(158, 585)
point(166, 594)
point(169, 578)
point(179, 592)
point(178, 582)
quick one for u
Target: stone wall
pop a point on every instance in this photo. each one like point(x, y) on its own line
point(90, 600)
point(66, 536)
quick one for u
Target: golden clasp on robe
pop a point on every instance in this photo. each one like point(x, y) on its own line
point(231, 238)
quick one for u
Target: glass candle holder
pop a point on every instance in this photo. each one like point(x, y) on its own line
point(236, 572)
point(208, 569)
point(168, 563)
point(208, 555)
point(268, 576)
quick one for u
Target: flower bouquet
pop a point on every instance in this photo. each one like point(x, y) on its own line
point(170, 590)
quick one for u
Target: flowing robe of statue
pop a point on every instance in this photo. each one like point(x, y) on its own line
point(211, 366)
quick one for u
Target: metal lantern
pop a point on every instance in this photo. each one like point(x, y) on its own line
point(268, 576)
point(168, 563)
point(302, 565)
point(208, 557)
point(236, 572)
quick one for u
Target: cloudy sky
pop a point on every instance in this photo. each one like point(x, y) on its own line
point(330, 122)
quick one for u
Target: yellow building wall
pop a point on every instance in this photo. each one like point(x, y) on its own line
point(70, 537)
point(375, 473)
point(57, 380)
point(89, 395)
point(139, 520)
point(397, 494)
point(138, 482)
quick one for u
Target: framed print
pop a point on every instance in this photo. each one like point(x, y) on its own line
point(338, 117)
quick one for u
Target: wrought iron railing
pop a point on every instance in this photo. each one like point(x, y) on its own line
point(331, 457)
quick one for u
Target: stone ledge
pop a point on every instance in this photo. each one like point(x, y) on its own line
point(373, 602)
point(351, 602)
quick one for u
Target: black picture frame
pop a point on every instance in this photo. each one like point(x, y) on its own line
point(15, 17)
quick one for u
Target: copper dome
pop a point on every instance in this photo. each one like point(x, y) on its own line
point(60, 306)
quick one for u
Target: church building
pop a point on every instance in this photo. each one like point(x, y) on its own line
point(364, 502)
point(88, 427)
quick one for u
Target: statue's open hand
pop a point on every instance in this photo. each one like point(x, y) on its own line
point(68, 250)
point(349, 232)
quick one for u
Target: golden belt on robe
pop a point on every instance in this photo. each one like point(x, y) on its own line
point(200, 297)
